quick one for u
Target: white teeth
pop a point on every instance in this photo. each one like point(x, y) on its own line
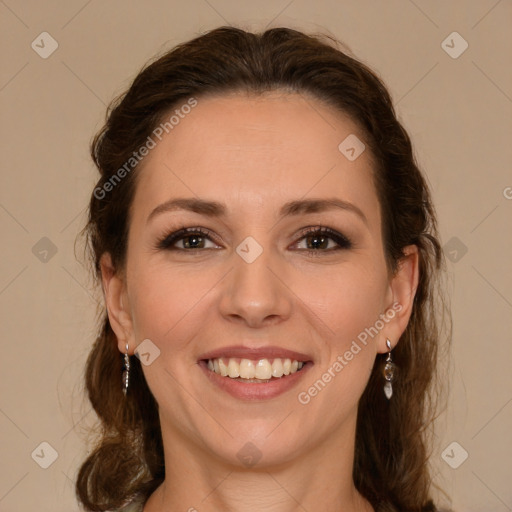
point(223, 369)
point(261, 369)
point(247, 369)
point(233, 369)
point(277, 368)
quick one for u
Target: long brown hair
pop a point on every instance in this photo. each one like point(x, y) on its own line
point(391, 452)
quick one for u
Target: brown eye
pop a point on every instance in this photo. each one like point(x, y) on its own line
point(193, 238)
point(319, 239)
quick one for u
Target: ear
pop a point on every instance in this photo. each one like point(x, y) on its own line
point(116, 300)
point(402, 290)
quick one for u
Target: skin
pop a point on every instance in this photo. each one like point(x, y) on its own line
point(254, 154)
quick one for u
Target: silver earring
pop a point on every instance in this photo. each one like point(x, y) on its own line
point(126, 371)
point(389, 372)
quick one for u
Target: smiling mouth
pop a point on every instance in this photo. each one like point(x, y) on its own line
point(254, 371)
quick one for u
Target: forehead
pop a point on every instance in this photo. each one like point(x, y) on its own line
point(251, 151)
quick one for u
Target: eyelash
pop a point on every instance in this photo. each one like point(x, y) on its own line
point(166, 242)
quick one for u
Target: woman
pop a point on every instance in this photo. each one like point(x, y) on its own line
point(268, 250)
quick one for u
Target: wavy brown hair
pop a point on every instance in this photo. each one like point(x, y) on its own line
point(392, 441)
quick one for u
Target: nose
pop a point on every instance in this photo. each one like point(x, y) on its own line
point(256, 293)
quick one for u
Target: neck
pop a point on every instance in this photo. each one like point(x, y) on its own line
point(198, 481)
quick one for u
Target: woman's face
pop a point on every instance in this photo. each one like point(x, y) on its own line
point(259, 284)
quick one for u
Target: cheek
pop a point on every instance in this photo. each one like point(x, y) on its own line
point(347, 299)
point(344, 299)
point(349, 302)
point(165, 300)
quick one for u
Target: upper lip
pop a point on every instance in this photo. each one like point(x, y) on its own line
point(256, 353)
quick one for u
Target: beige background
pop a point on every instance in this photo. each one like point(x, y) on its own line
point(458, 112)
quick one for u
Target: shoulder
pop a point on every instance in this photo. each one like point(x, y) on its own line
point(428, 507)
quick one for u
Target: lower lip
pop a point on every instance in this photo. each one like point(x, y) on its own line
point(255, 390)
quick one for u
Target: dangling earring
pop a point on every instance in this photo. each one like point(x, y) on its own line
point(389, 372)
point(126, 371)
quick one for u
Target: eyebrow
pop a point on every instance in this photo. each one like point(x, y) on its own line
point(216, 209)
